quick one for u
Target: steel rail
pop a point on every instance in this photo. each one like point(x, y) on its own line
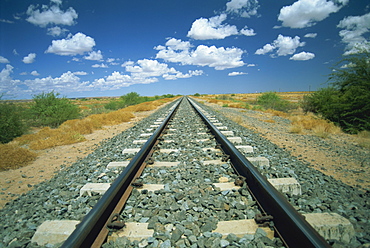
point(294, 229)
point(89, 228)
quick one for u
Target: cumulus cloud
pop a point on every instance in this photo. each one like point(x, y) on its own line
point(305, 13)
point(51, 15)
point(56, 31)
point(147, 68)
point(302, 56)
point(102, 65)
point(7, 84)
point(212, 28)
point(243, 8)
point(67, 82)
point(30, 58)
point(4, 60)
point(310, 35)
point(72, 45)
point(80, 73)
point(220, 58)
point(94, 56)
point(247, 32)
point(34, 73)
point(237, 73)
point(354, 28)
point(284, 45)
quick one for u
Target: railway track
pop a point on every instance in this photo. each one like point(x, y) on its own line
point(178, 180)
point(187, 142)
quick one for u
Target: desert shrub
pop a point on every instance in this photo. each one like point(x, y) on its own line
point(133, 98)
point(11, 124)
point(224, 97)
point(347, 100)
point(49, 110)
point(13, 156)
point(271, 100)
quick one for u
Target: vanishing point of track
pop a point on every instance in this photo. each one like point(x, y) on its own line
point(106, 215)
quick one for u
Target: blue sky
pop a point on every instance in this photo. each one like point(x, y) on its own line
point(153, 47)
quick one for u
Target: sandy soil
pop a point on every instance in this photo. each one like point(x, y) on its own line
point(13, 183)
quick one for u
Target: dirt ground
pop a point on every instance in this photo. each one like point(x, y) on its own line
point(13, 183)
point(337, 156)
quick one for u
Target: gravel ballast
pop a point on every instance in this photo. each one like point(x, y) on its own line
point(59, 197)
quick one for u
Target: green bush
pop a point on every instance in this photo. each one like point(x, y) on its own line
point(270, 100)
point(11, 124)
point(49, 110)
point(132, 98)
point(347, 101)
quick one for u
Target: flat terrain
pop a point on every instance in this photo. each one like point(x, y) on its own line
point(337, 155)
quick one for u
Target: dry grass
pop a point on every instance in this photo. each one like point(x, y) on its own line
point(13, 156)
point(363, 139)
point(277, 113)
point(72, 131)
point(319, 127)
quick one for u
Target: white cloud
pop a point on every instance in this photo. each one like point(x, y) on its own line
point(102, 65)
point(305, 13)
point(94, 56)
point(251, 65)
point(147, 68)
point(247, 32)
point(67, 82)
point(285, 45)
point(80, 73)
point(190, 73)
point(219, 58)
point(51, 15)
point(4, 60)
point(302, 56)
point(35, 73)
point(237, 73)
point(5, 75)
point(243, 8)
point(6, 21)
point(265, 49)
point(7, 84)
point(310, 35)
point(29, 59)
point(206, 29)
point(72, 45)
point(354, 28)
point(56, 31)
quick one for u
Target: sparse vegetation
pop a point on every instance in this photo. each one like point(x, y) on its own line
point(13, 156)
point(49, 110)
point(11, 123)
point(19, 152)
point(270, 100)
point(132, 98)
point(347, 101)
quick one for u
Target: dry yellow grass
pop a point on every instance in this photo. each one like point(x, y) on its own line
point(319, 127)
point(277, 113)
point(13, 156)
point(363, 139)
point(70, 132)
